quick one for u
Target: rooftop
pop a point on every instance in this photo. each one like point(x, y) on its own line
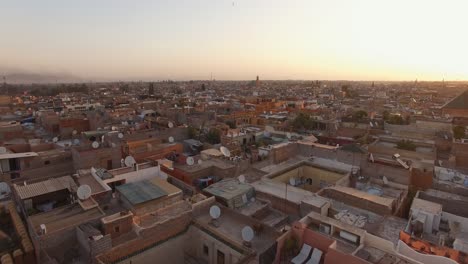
point(459, 102)
point(64, 217)
point(39, 188)
point(228, 188)
point(140, 192)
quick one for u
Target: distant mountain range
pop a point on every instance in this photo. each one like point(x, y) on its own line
point(21, 77)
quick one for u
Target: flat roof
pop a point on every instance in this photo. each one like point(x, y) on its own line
point(228, 188)
point(363, 195)
point(18, 155)
point(426, 206)
point(140, 192)
point(166, 186)
point(44, 187)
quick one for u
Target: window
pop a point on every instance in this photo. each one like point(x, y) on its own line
point(117, 229)
point(47, 162)
point(206, 251)
point(220, 257)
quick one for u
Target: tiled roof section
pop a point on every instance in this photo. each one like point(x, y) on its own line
point(43, 187)
point(140, 192)
point(459, 102)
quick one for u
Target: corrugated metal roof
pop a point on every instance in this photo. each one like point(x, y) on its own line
point(44, 187)
point(140, 192)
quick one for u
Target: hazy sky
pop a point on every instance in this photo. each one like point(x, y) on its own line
point(284, 39)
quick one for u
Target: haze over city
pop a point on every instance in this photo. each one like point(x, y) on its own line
point(235, 40)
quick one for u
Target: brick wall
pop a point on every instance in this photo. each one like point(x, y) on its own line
point(334, 256)
point(148, 238)
point(120, 226)
point(357, 202)
point(280, 204)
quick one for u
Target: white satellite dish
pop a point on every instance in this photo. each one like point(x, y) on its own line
point(129, 161)
point(190, 161)
point(215, 212)
point(113, 128)
point(372, 125)
point(225, 151)
point(76, 141)
point(170, 125)
point(3, 150)
point(171, 139)
point(200, 162)
point(95, 145)
point(83, 192)
point(288, 135)
point(74, 132)
point(247, 233)
point(55, 139)
point(120, 135)
point(292, 181)
point(385, 180)
point(241, 178)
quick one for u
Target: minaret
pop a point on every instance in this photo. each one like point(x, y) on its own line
point(257, 82)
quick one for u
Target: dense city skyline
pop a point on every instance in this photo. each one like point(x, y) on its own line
point(236, 40)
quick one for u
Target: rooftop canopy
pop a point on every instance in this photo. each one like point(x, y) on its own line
point(140, 192)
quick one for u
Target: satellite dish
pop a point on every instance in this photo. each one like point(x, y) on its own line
point(120, 135)
point(247, 234)
point(225, 151)
point(288, 135)
point(241, 178)
point(170, 125)
point(74, 132)
point(3, 150)
point(55, 139)
point(190, 161)
point(76, 141)
point(200, 162)
point(95, 145)
point(385, 180)
point(113, 128)
point(292, 181)
point(83, 192)
point(372, 125)
point(129, 161)
point(171, 139)
point(215, 212)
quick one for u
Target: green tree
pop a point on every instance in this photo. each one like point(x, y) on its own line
point(192, 132)
point(386, 115)
point(231, 124)
point(359, 115)
point(213, 136)
point(302, 121)
point(406, 145)
point(459, 132)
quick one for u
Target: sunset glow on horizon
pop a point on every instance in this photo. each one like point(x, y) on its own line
point(237, 40)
